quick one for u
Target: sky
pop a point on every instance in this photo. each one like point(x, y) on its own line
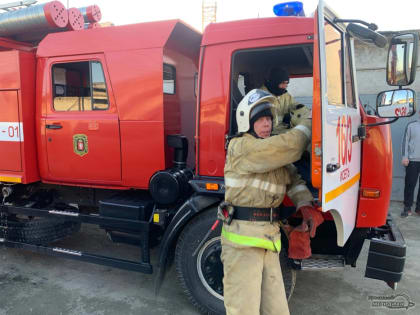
point(389, 15)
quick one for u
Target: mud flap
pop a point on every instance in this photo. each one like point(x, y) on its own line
point(386, 256)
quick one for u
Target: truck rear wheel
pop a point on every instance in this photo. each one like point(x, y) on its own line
point(201, 276)
point(39, 231)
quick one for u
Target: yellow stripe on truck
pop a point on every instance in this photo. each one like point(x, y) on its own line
point(10, 179)
point(342, 188)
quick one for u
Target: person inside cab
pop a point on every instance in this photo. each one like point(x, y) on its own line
point(286, 111)
point(258, 174)
point(276, 83)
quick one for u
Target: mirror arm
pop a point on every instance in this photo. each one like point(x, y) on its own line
point(383, 123)
point(371, 26)
point(361, 131)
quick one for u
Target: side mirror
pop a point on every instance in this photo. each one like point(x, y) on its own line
point(396, 103)
point(402, 59)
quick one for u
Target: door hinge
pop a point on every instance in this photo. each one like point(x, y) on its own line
point(317, 150)
point(361, 133)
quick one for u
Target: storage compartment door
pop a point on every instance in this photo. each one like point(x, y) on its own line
point(11, 132)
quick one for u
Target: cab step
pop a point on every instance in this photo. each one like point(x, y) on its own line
point(323, 262)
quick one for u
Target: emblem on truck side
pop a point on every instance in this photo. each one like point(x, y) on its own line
point(80, 144)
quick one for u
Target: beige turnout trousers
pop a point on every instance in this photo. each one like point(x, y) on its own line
point(253, 283)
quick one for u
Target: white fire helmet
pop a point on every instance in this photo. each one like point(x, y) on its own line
point(254, 102)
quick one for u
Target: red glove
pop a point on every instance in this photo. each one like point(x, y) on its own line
point(312, 217)
point(299, 242)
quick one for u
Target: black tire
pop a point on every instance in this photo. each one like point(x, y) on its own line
point(39, 231)
point(289, 274)
point(201, 275)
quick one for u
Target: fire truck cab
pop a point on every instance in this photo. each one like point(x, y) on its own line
point(126, 127)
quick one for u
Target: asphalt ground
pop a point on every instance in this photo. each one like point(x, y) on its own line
point(32, 283)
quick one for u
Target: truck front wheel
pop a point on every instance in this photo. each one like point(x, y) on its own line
point(201, 276)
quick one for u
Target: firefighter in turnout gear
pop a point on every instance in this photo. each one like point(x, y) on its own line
point(283, 103)
point(258, 173)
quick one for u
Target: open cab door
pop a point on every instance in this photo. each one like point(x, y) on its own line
point(336, 148)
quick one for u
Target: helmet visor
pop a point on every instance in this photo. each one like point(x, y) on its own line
point(259, 109)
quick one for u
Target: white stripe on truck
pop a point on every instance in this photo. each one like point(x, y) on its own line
point(11, 131)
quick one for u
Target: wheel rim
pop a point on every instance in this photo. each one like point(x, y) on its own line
point(210, 267)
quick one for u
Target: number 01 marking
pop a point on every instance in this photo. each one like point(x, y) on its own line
point(11, 131)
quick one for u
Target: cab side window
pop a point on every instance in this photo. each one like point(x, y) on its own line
point(333, 49)
point(79, 86)
point(169, 78)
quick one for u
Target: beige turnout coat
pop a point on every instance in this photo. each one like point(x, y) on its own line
point(258, 173)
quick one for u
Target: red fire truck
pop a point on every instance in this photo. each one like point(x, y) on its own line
point(125, 127)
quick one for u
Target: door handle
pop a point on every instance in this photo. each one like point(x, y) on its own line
point(332, 167)
point(54, 126)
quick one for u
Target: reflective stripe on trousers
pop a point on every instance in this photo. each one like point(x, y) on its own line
point(252, 241)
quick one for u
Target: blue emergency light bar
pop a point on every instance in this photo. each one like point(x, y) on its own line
point(294, 8)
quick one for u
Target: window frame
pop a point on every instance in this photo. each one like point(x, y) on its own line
point(89, 61)
point(349, 58)
point(91, 85)
point(250, 85)
point(342, 66)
